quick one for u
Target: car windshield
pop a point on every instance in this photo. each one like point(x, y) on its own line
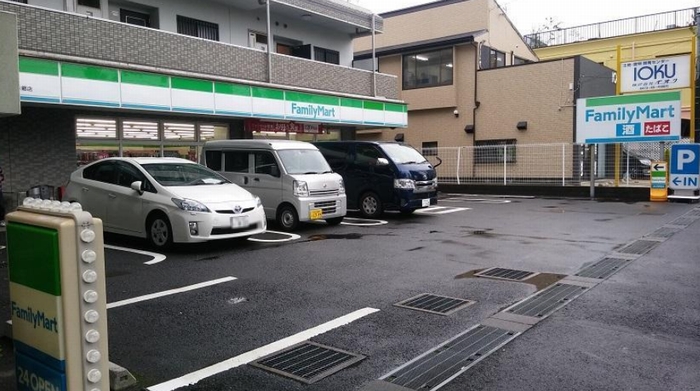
point(304, 161)
point(179, 174)
point(403, 154)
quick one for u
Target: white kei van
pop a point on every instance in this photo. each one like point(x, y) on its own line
point(292, 178)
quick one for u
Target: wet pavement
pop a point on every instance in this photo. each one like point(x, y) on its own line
point(636, 330)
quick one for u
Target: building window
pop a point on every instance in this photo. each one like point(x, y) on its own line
point(89, 3)
point(427, 69)
point(520, 61)
point(20, 1)
point(197, 28)
point(494, 151)
point(326, 55)
point(429, 148)
point(496, 59)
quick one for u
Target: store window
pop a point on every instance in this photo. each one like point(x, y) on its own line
point(99, 138)
point(495, 151)
point(427, 69)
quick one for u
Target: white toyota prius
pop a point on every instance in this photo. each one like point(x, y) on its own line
point(165, 200)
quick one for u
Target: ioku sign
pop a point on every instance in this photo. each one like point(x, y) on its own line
point(655, 74)
point(629, 118)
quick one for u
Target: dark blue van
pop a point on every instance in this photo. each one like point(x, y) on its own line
point(382, 176)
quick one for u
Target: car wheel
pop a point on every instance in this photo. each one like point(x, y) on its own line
point(370, 205)
point(334, 221)
point(287, 218)
point(160, 233)
point(407, 212)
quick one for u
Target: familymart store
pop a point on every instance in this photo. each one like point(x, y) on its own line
point(73, 114)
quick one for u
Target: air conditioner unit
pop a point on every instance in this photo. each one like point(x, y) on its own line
point(261, 46)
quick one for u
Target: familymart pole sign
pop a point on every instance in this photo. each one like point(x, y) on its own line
point(629, 118)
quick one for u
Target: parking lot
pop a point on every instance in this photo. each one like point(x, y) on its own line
point(206, 313)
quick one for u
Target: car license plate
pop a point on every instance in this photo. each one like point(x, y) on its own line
point(425, 202)
point(315, 214)
point(239, 221)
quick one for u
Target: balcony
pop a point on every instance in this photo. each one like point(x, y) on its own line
point(79, 38)
point(614, 28)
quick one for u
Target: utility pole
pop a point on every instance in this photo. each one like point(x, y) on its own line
point(696, 124)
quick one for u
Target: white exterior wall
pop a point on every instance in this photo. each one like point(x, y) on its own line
point(53, 4)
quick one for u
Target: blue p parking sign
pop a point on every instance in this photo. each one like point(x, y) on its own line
point(685, 167)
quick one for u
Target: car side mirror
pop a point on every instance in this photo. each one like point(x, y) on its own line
point(382, 161)
point(137, 186)
point(275, 171)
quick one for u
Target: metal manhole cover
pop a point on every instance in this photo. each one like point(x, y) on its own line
point(435, 304)
point(547, 301)
point(438, 366)
point(664, 232)
point(638, 247)
point(506, 274)
point(308, 362)
point(604, 268)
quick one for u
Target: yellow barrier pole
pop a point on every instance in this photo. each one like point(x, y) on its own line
point(617, 92)
point(693, 83)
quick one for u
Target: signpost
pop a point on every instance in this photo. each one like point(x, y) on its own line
point(659, 192)
point(685, 171)
point(629, 118)
point(57, 297)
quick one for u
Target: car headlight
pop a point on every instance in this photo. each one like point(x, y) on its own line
point(190, 205)
point(404, 184)
point(435, 182)
point(301, 189)
point(258, 202)
point(341, 187)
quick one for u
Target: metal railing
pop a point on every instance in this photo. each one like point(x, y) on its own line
point(613, 28)
point(547, 164)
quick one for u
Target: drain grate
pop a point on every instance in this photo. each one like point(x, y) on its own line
point(440, 365)
point(435, 304)
point(548, 301)
point(683, 221)
point(308, 362)
point(638, 247)
point(603, 268)
point(664, 232)
point(506, 274)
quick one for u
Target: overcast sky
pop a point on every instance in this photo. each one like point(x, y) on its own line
point(528, 15)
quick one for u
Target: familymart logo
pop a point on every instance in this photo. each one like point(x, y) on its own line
point(37, 318)
point(313, 111)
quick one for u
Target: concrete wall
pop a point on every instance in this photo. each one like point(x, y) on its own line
point(9, 73)
point(537, 93)
point(504, 37)
point(444, 21)
point(36, 148)
point(68, 34)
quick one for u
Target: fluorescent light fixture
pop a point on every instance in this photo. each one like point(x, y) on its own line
point(421, 58)
point(449, 65)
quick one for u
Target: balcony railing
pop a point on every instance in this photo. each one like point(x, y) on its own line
point(640, 24)
point(48, 33)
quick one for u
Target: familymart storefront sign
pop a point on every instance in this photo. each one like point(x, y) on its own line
point(629, 118)
point(47, 81)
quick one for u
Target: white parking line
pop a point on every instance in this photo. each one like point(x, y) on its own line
point(290, 237)
point(245, 358)
point(2, 247)
point(156, 257)
point(440, 210)
point(169, 292)
point(477, 200)
point(362, 222)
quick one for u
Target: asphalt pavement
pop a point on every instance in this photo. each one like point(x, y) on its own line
point(225, 305)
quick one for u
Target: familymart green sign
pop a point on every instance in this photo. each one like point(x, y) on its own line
point(47, 81)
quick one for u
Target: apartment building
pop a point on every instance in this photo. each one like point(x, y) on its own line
point(102, 78)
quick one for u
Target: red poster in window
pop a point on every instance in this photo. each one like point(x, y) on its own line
point(657, 128)
point(256, 125)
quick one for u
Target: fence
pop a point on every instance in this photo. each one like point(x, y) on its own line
point(547, 164)
point(614, 28)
